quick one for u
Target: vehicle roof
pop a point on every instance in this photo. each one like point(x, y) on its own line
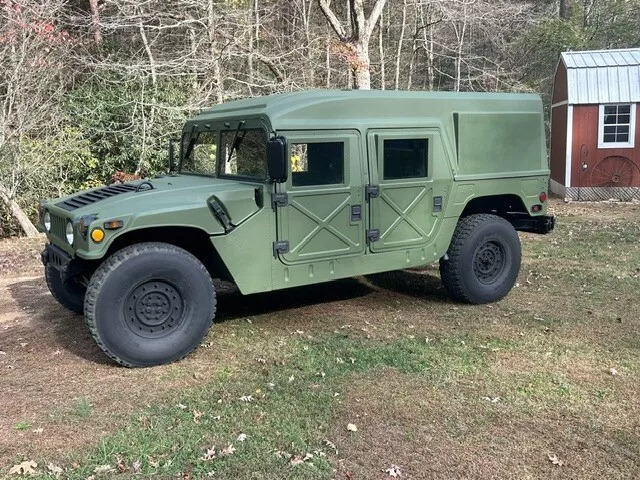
point(322, 109)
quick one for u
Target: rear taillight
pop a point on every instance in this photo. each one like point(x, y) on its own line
point(543, 197)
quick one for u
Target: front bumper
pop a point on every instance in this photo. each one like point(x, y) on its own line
point(57, 258)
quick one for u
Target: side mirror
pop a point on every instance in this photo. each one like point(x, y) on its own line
point(277, 159)
point(172, 155)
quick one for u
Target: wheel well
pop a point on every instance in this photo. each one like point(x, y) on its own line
point(193, 240)
point(501, 205)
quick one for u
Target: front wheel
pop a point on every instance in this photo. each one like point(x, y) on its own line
point(483, 260)
point(150, 304)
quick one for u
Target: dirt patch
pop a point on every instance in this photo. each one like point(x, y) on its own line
point(456, 431)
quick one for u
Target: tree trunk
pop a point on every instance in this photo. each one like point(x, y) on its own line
point(356, 40)
point(17, 213)
point(95, 22)
point(400, 42)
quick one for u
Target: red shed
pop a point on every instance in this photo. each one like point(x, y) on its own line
point(595, 138)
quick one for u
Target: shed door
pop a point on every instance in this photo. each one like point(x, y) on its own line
point(323, 217)
point(401, 201)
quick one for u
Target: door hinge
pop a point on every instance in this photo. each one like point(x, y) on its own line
point(279, 200)
point(373, 191)
point(280, 247)
point(373, 235)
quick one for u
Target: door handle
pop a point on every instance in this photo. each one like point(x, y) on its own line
point(356, 213)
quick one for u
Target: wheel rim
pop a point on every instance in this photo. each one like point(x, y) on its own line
point(489, 262)
point(154, 309)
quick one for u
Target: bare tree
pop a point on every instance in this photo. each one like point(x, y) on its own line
point(356, 37)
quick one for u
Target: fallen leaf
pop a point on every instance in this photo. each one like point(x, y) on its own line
point(229, 450)
point(299, 459)
point(25, 468)
point(57, 471)
point(352, 428)
point(196, 416)
point(242, 437)
point(555, 460)
point(332, 445)
point(103, 469)
point(136, 466)
point(349, 475)
point(210, 454)
point(121, 465)
point(394, 471)
point(613, 372)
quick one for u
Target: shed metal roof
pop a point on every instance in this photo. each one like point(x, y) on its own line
point(603, 76)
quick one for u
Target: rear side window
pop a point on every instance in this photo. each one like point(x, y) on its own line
point(317, 163)
point(406, 158)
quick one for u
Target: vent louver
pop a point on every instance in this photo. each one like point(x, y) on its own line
point(88, 198)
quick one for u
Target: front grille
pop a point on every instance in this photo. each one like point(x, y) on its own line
point(58, 227)
point(87, 198)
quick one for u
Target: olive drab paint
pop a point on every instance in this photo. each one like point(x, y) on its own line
point(353, 215)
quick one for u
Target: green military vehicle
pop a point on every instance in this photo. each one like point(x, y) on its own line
point(296, 189)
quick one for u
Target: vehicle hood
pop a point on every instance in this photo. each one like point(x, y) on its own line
point(174, 199)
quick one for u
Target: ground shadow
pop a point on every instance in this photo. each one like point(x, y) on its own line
point(422, 284)
point(52, 322)
point(232, 304)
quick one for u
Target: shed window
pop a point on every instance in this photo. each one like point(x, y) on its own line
point(617, 126)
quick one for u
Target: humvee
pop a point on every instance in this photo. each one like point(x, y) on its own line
point(296, 189)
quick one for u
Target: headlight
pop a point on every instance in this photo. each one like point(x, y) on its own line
point(46, 221)
point(69, 232)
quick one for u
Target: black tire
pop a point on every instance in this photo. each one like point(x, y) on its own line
point(483, 260)
point(69, 294)
point(150, 304)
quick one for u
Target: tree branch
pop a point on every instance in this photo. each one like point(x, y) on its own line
point(325, 6)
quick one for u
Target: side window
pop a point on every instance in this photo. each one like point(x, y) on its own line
point(406, 158)
point(317, 163)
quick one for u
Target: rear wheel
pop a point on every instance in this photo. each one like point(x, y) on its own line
point(70, 293)
point(483, 260)
point(149, 304)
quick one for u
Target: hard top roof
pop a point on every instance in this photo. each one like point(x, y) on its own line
point(342, 108)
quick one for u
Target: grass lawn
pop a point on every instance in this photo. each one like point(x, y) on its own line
point(544, 384)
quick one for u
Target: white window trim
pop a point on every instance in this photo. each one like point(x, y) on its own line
point(632, 129)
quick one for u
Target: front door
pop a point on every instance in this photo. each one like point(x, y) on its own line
point(320, 213)
point(401, 194)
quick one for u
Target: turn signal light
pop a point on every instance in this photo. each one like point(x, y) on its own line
point(543, 197)
point(97, 235)
point(113, 224)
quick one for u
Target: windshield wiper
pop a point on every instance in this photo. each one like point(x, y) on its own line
point(192, 143)
point(237, 141)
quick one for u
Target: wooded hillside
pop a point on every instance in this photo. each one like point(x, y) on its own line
point(90, 87)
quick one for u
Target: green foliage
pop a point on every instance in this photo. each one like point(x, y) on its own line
point(125, 133)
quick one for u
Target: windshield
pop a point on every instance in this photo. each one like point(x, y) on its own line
point(241, 153)
point(201, 153)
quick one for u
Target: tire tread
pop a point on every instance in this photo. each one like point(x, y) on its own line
point(450, 270)
point(112, 263)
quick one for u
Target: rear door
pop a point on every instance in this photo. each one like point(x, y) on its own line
point(403, 207)
point(321, 215)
